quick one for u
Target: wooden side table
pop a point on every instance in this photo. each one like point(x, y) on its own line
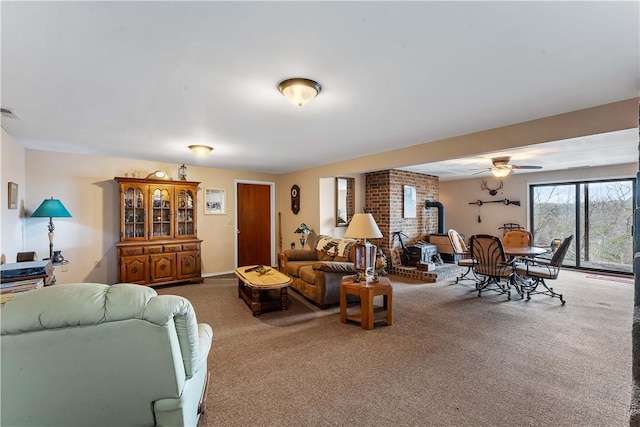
point(369, 314)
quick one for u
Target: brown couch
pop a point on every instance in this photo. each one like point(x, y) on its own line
point(316, 272)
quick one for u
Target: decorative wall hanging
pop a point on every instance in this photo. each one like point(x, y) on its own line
point(295, 199)
point(491, 191)
point(505, 201)
point(409, 201)
point(345, 200)
point(13, 195)
point(214, 201)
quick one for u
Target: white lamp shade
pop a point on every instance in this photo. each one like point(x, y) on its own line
point(363, 226)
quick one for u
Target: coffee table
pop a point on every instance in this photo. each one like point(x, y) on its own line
point(262, 292)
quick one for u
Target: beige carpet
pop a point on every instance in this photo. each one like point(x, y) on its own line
point(449, 359)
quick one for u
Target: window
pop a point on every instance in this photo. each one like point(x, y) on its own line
point(598, 213)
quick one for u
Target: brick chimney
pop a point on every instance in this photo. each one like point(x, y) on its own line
point(384, 200)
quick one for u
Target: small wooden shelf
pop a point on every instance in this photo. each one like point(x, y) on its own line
point(369, 314)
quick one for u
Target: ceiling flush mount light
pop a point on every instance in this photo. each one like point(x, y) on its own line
point(201, 150)
point(299, 91)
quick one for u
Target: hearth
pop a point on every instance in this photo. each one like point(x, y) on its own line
point(421, 252)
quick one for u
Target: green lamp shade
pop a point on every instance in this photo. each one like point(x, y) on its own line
point(51, 208)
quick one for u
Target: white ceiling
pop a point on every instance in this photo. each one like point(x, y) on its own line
point(146, 79)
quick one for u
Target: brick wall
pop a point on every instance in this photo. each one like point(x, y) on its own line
point(384, 200)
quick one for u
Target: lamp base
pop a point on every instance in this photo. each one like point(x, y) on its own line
point(364, 278)
point(57, 257)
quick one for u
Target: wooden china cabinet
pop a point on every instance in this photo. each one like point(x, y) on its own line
point(158, 234)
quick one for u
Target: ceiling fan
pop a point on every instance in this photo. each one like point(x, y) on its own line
point(502, 167)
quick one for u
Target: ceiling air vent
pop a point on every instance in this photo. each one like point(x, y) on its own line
point(7, 112)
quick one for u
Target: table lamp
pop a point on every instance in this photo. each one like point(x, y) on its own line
point(302, 228)
point(362, 226)
point(51, 208)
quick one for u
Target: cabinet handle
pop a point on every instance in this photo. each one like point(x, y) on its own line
point(188, 264)
point(131, 252)
point(134, 270)
point(162, 267)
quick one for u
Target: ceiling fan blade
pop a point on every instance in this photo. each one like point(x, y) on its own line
point(525, 167)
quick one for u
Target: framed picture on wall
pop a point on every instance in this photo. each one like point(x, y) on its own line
point(409, 201)
point(214, 201)
point(13, 195)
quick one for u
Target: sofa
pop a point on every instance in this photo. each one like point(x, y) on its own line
point(316, 273)
point(92, 354)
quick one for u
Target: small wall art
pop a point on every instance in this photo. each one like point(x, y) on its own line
point(214, 201)
point(13, 195)
point(410, 201)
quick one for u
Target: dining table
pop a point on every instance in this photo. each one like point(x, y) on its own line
point(527, 254)
point(525, 251)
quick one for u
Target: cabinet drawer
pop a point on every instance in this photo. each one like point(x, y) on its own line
point(153, 249)
point(131, 251)
point(191, 246)
point(172, 248)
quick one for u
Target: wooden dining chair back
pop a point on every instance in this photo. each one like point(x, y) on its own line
point(539, 270)
point(516, 238)
point(461, 253)
point(491, 264)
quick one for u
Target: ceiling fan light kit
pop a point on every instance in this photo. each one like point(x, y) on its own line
point(500, 172)
point(502, 167)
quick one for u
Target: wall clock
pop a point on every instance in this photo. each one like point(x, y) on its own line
point(295, 199)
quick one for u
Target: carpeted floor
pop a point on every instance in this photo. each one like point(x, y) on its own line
point(449, 359)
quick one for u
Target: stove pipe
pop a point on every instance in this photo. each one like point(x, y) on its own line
point(430, 204)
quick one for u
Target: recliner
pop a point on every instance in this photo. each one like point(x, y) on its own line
point(92, 354)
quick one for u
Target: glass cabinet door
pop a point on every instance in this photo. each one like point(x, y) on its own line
point(185, 212)
point(161, 220)
point(134, 217)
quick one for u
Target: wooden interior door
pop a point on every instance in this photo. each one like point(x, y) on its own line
point(254, 224)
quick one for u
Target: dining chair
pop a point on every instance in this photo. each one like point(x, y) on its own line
point(540, 269)
point(461, 253)
point(516, 238)
point(491, 264)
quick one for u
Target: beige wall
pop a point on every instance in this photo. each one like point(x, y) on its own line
point(12, 164)
point(85, 185)
point(602, 119)
point(456, 196)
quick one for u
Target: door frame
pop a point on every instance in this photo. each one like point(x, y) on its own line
point(272, 208)
point(579, 232)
